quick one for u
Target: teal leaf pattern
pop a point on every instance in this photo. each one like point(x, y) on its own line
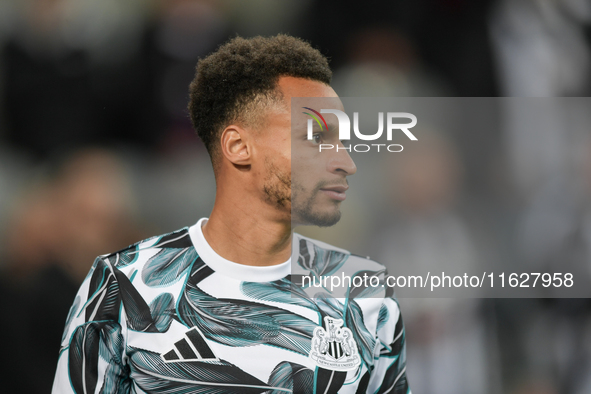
point(104, 298)
point(125, 257)
point(111, 338)
point(282, 290)
point(322, 303)
point(162, 311)
point(153, 375)
point(291, 376)
point(167, 266)
point(244, 323)
point(139, 317)
point(73, 310)
point(114, 383)
point(369, 291)
point(253, 319)
point(90, 341)
point(324, 262)
point(383, 317)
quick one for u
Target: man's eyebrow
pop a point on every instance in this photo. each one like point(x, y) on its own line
point(332, 125)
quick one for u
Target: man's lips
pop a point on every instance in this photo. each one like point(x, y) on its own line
point(336, 192)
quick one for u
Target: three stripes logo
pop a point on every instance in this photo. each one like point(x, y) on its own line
point(334, 347)
point(191, 348)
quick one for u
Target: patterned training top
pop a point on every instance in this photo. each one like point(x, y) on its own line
point(169, 315)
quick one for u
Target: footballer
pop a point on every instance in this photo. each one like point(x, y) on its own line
point(216, 307)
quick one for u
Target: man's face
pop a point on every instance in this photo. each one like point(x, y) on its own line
point(298, 177)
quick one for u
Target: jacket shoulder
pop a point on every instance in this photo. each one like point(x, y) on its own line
point(314, 251)
point(179, 239)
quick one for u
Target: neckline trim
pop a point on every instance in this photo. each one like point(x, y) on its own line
point(231, 269)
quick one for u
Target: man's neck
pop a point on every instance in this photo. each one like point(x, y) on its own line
point(242, 236)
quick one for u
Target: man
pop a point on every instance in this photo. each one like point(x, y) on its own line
point(212, 308)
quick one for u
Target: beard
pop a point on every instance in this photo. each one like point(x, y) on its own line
point(303, 208)
point(280, 192)
point(277, 186)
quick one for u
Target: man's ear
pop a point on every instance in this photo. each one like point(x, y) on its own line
point(235, 146)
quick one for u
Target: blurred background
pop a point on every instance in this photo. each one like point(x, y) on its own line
point(97, 152)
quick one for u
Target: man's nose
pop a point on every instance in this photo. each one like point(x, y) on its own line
point(341, 161)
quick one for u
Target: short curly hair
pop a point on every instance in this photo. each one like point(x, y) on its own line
point(235, 82)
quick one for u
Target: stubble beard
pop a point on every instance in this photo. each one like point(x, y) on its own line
point(303, 205)
point(277, 186)
point(282, 194)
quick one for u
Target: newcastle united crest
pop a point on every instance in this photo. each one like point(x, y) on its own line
point(334, 348)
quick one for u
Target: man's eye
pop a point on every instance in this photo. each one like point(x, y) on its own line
point(317, 138)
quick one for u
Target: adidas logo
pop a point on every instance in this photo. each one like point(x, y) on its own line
point(191, 348)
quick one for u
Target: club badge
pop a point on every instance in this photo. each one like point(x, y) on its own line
point(334, 348)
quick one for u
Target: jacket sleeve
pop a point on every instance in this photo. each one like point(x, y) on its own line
point(92, 351)
point(389, 372)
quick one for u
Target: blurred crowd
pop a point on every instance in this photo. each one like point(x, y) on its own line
point(97, 152)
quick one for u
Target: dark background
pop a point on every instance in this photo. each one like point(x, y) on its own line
point(97, 152)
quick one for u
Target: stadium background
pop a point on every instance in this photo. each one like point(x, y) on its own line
point(97, 151)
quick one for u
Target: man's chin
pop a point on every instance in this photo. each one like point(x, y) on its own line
point(320, 219)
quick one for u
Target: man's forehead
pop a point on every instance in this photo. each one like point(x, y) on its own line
point(301, 93)
point(302, 87)
point(305, 108)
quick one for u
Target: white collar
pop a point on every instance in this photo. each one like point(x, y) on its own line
point(229, 268)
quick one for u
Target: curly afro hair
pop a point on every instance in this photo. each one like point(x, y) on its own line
point(235, 82)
